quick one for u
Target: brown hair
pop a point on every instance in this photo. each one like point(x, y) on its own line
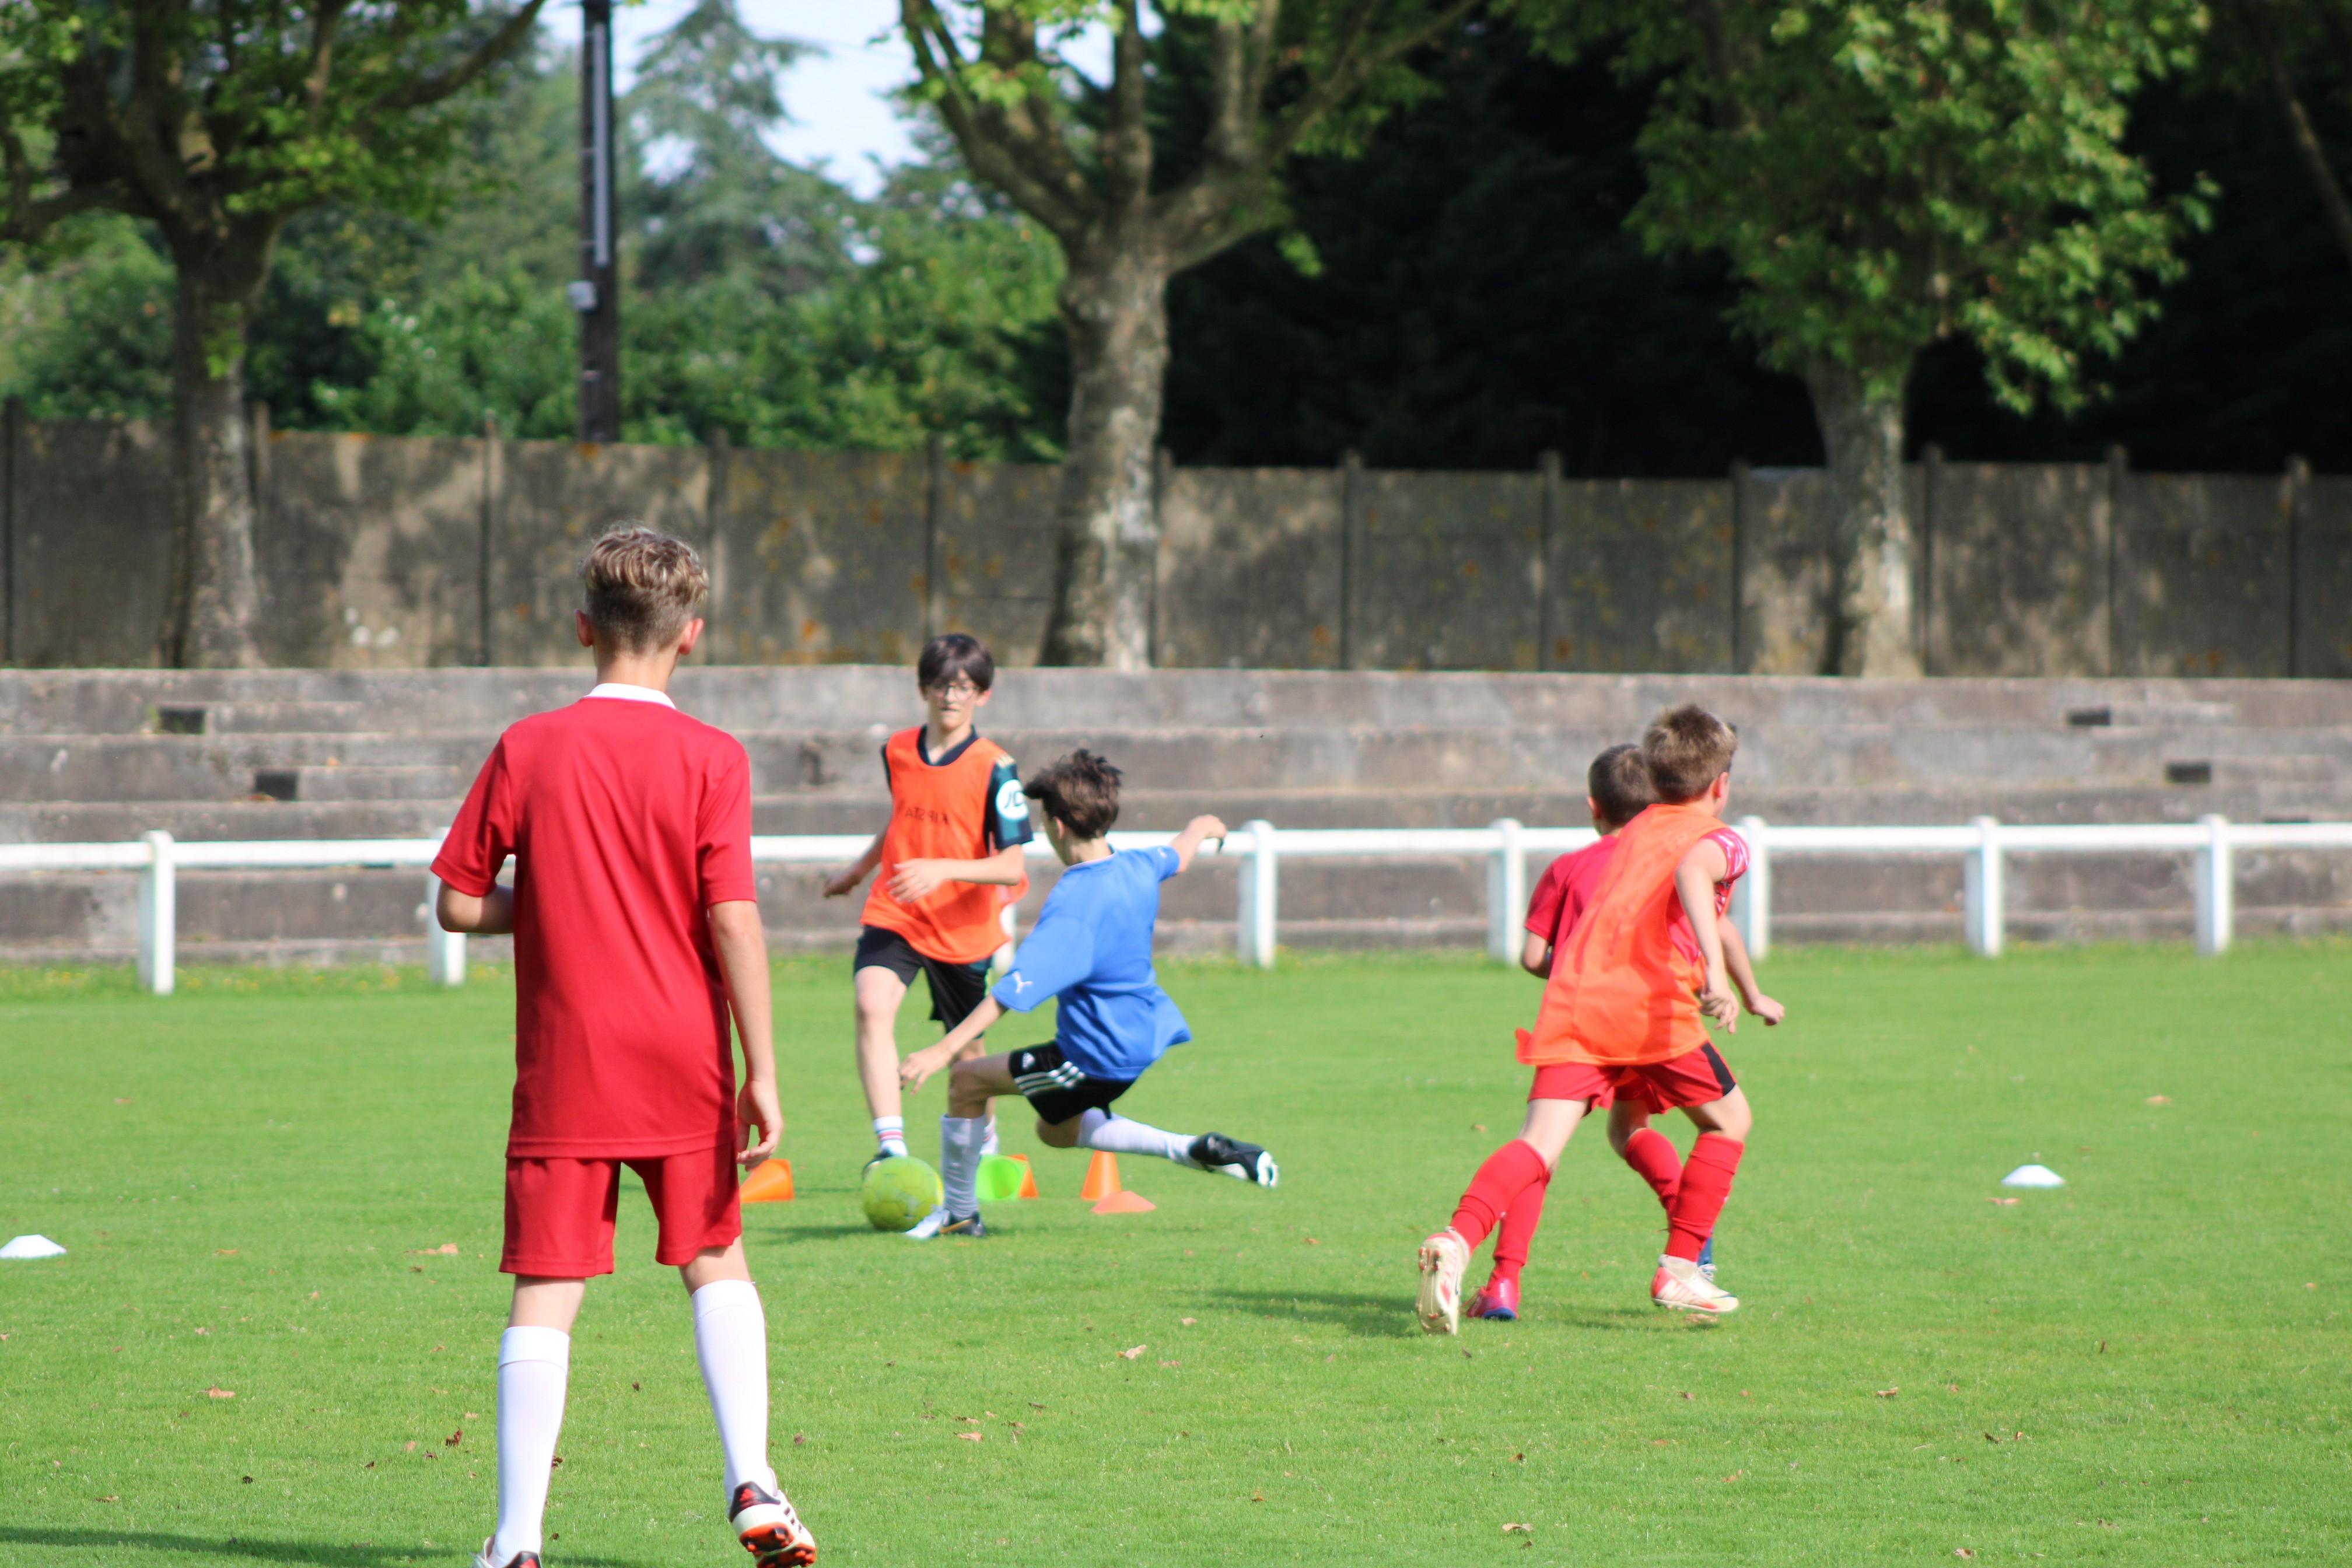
point(642, 588)
point(951, 654)
point(1079, 791)
point(1619, 783)
point(1687, 749)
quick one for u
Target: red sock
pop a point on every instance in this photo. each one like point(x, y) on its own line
point(1652, 1155)
point(1707, 1182)
point(1518, 1227)
point(1508, 1172)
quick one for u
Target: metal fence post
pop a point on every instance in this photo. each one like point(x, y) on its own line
point(444, 950)
point(1751, 896)
point(2216, 888)
point(1982, 890)
point(1507, 891)
point(1254, 928)
point(158, 916)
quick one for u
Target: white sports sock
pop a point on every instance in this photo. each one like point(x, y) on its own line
point(890, 1132)
point(1118, 1135)
point(730, 1340)
point(534, 1365)
point(988, 1144)
point(960, 1141)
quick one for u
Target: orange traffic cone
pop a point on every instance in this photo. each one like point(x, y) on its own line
point(1028, 1178)
point(1102, 1177)
point(770, 1182)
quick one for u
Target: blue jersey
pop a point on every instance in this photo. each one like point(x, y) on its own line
point(1092, 948)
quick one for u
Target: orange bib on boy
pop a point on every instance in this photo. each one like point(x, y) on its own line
point(1623, 995)
point(940, 813)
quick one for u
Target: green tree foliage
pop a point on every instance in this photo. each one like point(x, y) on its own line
point(1884, 175)
point(216, 121)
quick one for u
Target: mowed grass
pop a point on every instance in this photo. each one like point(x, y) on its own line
point(2149, 1366)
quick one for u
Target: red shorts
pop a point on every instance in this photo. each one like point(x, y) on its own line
point(560, 1211)
point(1693, 1077)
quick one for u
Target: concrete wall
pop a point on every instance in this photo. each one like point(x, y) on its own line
point(399, 553)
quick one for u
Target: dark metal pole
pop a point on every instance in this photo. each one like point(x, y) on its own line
point(596, 295)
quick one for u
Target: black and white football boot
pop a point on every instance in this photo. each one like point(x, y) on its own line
point(1243, 1162)
point(769, 1529)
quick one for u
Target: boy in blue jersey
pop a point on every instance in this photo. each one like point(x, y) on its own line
point(1092, 948)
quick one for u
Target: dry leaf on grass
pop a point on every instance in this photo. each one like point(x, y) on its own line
point(1964, 1552)
point(454, 1438)
point(1171, 1363)
point(217, 1392)
point(1187, 1323)
point(2006, 1203)
point(446, 1249)
point(1257, 1496)
point(1477, 1127)
point(972, 1436)
point(199, 1330)
point(1518, 1530)
point(1887, 1393)
point(110, 1497)
point(223, 1252)
point(1132, 1353)
point(800, 1440)
point(2152, 1099)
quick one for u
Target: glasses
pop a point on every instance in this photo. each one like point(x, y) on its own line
point(957, 690)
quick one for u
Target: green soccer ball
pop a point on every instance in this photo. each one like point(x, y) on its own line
point(898, 1191)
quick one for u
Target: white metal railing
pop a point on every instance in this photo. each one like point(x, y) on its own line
point(1983, 844)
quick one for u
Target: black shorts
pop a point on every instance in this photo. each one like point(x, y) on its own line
point(1055, 1089)
point(956, 988)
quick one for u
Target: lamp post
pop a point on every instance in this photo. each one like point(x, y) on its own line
point(595, 294)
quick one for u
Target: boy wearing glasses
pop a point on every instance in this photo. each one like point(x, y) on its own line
point(950, 863)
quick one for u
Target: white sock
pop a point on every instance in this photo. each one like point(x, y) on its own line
point(960, 1141)
point(1118, 1135)
point(533, 1366)
point(890, 1132)
point(988, 1144)
point(730, 1340)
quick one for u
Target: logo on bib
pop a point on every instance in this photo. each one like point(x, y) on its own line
point(1012, 802)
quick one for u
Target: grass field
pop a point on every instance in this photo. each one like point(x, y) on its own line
point(2148, 1367)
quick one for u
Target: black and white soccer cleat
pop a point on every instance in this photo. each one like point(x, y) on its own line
point(1244, 1161)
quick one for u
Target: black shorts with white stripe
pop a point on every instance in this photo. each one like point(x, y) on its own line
point(1057, 1089)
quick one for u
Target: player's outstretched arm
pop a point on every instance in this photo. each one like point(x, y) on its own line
point(1197, 832)
point(913, 880)
point(492, 915)
point(856, 871)
point(1695, 882)
point(918, 1068)
point(1742, 971)
point(742, 945)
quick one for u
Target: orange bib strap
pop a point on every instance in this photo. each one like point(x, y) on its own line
point(1623, 995)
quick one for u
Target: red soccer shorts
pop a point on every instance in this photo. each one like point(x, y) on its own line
point(560, 1211)
point(1694, 1078)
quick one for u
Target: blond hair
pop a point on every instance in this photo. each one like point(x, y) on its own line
point(642, 588)
point(1687, 749)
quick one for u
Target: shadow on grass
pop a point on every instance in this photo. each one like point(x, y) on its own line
point(807, 1232)
point(187, 1546)
point(1367, 1317)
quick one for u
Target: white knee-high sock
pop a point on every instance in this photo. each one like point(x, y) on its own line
point(730, 1340)
point(1118, 1135)
point(987, 1146)
point(534, 1365)
point(960, 1141)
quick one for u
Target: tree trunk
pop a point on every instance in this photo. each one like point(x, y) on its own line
point(1871, 555)
point(1107, 520)
point(217, 597)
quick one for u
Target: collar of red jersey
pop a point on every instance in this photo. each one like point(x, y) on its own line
point(630, 693)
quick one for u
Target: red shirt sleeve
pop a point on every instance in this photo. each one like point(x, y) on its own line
point(482, 838)
point(724, 834)
point(1543, 908)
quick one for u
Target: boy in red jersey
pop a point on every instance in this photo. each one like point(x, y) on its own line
point(1618, 790)
point(636, 935)
point(1623, 1014)
point(951, 852)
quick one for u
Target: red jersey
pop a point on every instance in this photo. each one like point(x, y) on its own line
point(965, 805)
point(1623, 991)
point(627, 820)
point(1566, 889)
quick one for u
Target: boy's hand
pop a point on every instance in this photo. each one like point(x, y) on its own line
point(1717, 1003)
point(756, 1107)
point(1764, 1008)
point(843, 881)
point(915, 880)
point(1208, 827)
point(918, 1069)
